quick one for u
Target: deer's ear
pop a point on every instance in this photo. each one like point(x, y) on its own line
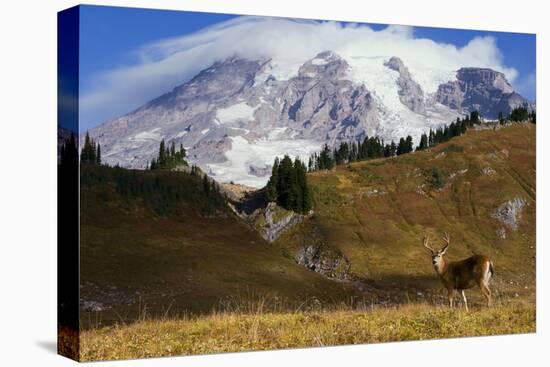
point(443, 250)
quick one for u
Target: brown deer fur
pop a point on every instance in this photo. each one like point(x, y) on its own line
point(464, 274)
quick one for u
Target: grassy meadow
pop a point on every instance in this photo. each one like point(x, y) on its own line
point(237, 332)
point(198, 282)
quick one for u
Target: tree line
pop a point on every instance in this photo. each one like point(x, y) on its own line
point(288, 185)
point(373, 147)
point(164, 192)
point(518, 114)
point(169, 158)
point(91, 152)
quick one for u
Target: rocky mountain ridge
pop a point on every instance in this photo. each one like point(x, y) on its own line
point(236, 116)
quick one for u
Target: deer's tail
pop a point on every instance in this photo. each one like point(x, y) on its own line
point(491, 268)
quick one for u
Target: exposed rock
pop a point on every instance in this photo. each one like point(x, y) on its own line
point(410, 92)
point(488, 171)
point(483, 90)
point(323, 260)
point(92, 306)
point(238, 101)
point(501, 233)
point(277, 221)
point(509, 213)
point(235, 116)
point(459, 172)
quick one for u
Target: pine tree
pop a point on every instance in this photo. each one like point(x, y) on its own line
point(474, 118)
point(393, 149)
point(519, 114)
point(205, 185)
point(423, 142)
point(431, 137)
point(501, 118)
point(88, 154)
point(408, 144)
point(303, 202)
point(285, 190)
point(162, 154)
point(98, 155)
point(271, 188)
point(401, 147)
point(325, 159)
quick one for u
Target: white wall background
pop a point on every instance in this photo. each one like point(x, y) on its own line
point(28, 181)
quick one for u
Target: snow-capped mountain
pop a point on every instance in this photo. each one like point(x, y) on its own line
point(236, 116)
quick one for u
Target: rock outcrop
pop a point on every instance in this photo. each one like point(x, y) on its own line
point(410, 92)
point(237, 115)
point(509, 212)
point(277, 221)
point(483, 90)
point(323, 260)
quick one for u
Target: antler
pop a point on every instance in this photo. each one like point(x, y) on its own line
point(426, 241)
point(447, 239)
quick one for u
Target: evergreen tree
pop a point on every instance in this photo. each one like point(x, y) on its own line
point(423, 142)
point(271, 188)
point(98, 155)
point(474, 118)
point(325, 159)
point(431, 137)
point(169, 158)
point(88, 153)
point(519, 114)
point(393, 149)
point(286, 194)
point(401, 147)
point(162, 154)
point(288, 185)
point(303, 202)
point(501, 119)
point(408, 144)
point(205, 184)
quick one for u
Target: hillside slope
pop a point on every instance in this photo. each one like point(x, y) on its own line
point(479, 187)
point(188, 260)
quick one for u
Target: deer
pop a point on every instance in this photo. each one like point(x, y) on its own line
point(463, 274)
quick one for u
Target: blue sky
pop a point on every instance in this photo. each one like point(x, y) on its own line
point(116, 42)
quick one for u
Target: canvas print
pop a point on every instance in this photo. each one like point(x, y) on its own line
point(235, 183)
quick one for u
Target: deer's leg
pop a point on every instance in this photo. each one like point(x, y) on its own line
point(486, 292)
point(450, 296)
point(464, 299)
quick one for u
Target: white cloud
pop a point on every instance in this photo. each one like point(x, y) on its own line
point(170, 62)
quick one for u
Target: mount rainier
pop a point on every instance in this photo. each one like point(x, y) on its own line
point(237, 115)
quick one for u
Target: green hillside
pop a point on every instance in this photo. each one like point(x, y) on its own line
point(143, 252)
point(152, 242)
point(179, 273)
point(375, 214)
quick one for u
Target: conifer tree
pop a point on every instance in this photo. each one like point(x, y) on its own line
point(408, 144)
point(423, 142)
point(98, 155)
point(431, 138)
point(205, 184)
point(162, 154)
point(271, 188)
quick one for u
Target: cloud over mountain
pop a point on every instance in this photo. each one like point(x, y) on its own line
point(167, 63)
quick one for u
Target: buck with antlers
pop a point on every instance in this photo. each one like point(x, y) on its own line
point(464, 274)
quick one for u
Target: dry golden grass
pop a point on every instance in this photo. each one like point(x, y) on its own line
point(234, 332)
